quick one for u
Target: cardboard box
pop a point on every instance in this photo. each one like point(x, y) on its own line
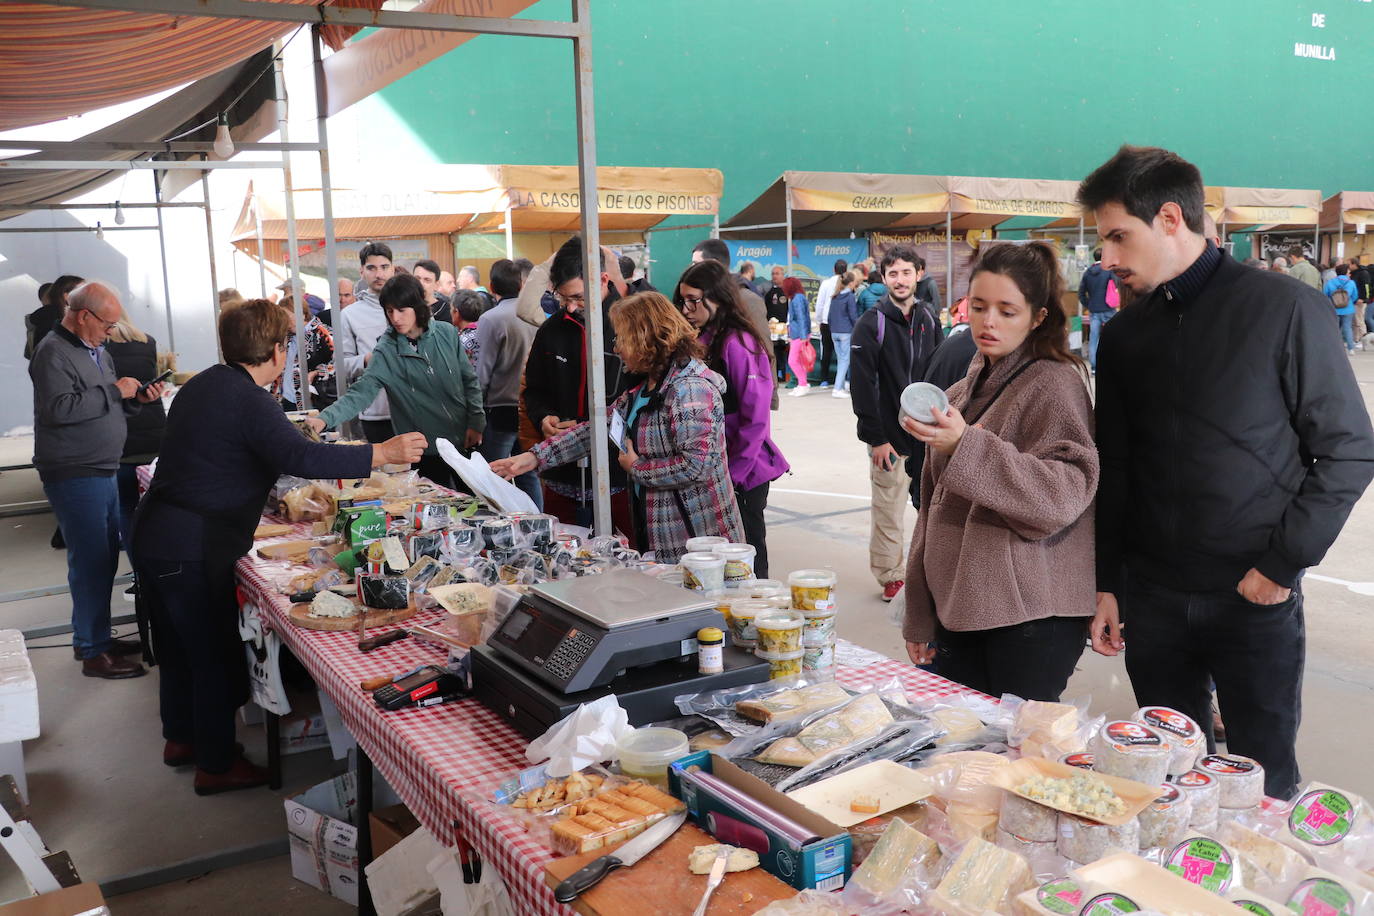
point(389, 826)
point(324, 842)
point(822, 864)
point(79, 900)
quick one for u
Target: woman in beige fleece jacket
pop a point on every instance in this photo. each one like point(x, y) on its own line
point(1000, 580)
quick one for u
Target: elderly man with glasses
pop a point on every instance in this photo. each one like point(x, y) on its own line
point(79, 410)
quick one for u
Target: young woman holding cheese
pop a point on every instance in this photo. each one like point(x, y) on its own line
point(1000, 579)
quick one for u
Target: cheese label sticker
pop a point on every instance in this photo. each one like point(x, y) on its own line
point(1194, 780)
point(1322, 817)
point(1170, 721)
point(1082, 761)
point(1126, 735)
point(1168, 797)
point(1109, 905)
point(1203, 862)
point(1321, 897)
point(1231, 766)
point(1250, 906)
point(1061, 896)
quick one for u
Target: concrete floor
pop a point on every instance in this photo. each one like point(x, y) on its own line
point(98, 788)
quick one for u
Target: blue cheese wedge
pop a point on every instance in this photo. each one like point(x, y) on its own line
point(328, 604)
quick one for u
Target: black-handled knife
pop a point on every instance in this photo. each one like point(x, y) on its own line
point(585, 878)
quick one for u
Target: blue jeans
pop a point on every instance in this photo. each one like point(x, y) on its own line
point(842, 359)
point(1095, 325)
point(500, 443)
point(127, 478)
point(1347, 330)
point(87, 510)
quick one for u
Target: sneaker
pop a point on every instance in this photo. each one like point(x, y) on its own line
point(825, 384)
point(891, 589)
point(800, 391)
point(839, 393)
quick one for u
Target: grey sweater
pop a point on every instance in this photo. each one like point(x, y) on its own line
point(78, 412)
point(504, 341)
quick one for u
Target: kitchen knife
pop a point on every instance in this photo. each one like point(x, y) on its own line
point(586, 877)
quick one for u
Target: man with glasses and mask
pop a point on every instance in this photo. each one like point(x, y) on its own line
point(79, 411)
point(555, 396)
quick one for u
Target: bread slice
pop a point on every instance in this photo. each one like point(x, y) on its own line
point(630, 803)
point(660, 800)
point(571, 838)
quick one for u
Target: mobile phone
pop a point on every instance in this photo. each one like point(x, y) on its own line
point(157, 381)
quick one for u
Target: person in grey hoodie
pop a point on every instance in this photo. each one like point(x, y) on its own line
point(79, 411)
point(504, 341)
point(360, 326)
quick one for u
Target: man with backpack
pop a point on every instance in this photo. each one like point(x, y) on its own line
point(1343, 295)
point(1098, 294)
point(890, 348)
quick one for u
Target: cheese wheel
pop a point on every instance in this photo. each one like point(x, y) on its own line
point(1205, 792)
point(1060, 897)
point(1182, 732)
point(1132, 751)
point(1109, 904)
point(1203, 861)
point(1323, 817)
point(1087, 841)
point(1165, 820)
point(1323, 895)
point(1027, 819)
point(1251, 902)
point(1027, 849)
point(1084, 761)
point(1241, 779)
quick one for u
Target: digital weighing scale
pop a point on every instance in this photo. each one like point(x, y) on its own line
point(622, 632)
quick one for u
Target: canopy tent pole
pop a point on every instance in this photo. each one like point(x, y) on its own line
point(787, 202)
point(293, 245)
point(1082, 239)
point(257, 231)
point(331, 255)
point(949, 261)
point(591, 266)
point(510, 231)
point(210, 250)
point(715, 226)
point(648, 253)
point(162, 249)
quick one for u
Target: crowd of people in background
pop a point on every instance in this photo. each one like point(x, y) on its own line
point(1047, 517)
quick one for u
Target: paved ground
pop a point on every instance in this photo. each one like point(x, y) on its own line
point(99, 791)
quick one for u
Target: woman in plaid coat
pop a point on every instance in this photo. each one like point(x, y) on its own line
point(674, 449)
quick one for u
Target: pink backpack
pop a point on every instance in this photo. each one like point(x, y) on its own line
point(1113, 295)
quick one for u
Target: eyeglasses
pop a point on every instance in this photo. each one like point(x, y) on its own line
point(566, 301)
point(691, 303)
point(109, 325)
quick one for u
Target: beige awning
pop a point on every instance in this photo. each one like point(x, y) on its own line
point(1348, 209)
point(825, 203)
point(1274, 207)
point(474, 198)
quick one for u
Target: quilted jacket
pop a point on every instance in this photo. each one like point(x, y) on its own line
point(684, 480)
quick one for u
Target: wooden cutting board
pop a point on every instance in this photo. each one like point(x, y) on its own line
point(661, 884)
point(300, 615)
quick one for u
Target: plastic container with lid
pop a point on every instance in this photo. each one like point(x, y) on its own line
point(705, 543)
point(739, 563)
point(773, 591)
point(813, 589)
point(740, 614)
point(784, 664)
point(779, 631)
point(646, 752)
point(818, 658)
point(702, 572)
point(710, 650)
point(922, 400)
point(818, 627)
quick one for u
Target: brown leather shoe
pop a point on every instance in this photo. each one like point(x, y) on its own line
point(111, 667)
point(117, 647)
point(183, 753)
point(241, 775)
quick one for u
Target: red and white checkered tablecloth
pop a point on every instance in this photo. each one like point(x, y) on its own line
point(442, 760)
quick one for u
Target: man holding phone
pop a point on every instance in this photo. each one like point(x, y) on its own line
point(891, 348)
point(79, 410)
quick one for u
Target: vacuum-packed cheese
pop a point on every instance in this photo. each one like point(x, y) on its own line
point(1184, 735)
point(1060, 897)
point(1132, 751)
point(1084, 841)
point(900, 848)
point(1324, 817)
point(1028, 820)
point(1241, 779)
point(1109, 904)
point(1205, 862)
point(984, 877)
point(1251, 902)
point(1165, 820)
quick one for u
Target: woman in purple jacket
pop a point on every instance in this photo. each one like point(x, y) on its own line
point(708, 297)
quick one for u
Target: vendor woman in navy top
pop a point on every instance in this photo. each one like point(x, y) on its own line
point(227, 442)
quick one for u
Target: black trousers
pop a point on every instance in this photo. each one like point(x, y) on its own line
point(751, 505)
point(780, 358)
point(825, 366)
point(1177, 643)
point(202, 667)
point(377, 431)
point(1032, 660)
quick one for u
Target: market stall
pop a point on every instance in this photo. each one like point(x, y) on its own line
point(475, 214)
point(1345, 221)
point(1277, 218)
point(932, 212)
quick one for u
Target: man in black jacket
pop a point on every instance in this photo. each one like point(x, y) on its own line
point(891, 348)
point(1234, 443)
point(555, 396)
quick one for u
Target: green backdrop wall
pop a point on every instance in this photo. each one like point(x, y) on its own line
point(1023, 88)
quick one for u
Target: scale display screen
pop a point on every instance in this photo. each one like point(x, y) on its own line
point(535, 633)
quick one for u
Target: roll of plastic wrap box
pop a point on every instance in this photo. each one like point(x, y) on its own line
point(1241, 779)
point(1132, 751)
point(755, 809)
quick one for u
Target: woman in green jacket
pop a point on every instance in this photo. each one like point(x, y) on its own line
point(431, 385)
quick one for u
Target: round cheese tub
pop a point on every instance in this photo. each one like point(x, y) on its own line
point(813, 589)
